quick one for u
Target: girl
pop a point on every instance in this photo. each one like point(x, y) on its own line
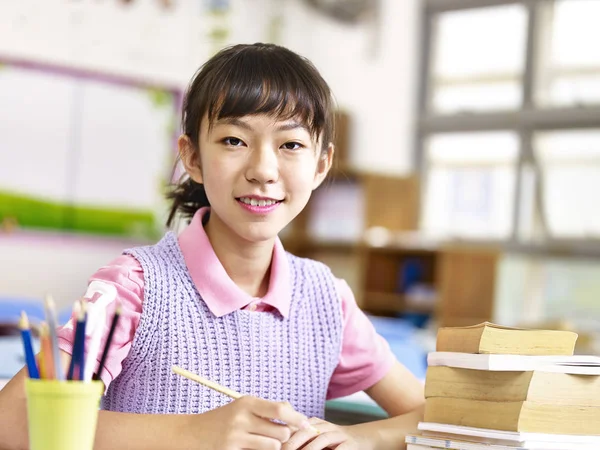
point(223, 299)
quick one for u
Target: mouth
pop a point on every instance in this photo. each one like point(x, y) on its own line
point(259, 202)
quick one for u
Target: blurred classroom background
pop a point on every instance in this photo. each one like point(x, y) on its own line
point(468, 150)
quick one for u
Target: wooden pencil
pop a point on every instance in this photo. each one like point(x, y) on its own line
point(216, 386)
point(48, 372)
point(211, 384)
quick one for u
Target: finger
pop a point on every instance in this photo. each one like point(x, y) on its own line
point(346, 446)
point(280, 411)
point(300, 438)
point(325, 440)
point(316, 421)
point(267, 428)
point(256, 442)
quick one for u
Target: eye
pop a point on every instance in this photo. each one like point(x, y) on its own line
point(292, 146)
point(233, 142)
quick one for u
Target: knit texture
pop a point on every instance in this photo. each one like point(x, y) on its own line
point(255, 353)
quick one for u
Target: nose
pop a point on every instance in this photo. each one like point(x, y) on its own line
point(263, 166)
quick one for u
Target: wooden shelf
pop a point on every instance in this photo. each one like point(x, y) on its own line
point(462, 274)
point(308, 244)
point(392, 302)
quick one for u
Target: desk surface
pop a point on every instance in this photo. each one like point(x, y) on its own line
point(359, 403)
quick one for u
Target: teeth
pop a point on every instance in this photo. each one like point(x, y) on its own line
point(255, 202)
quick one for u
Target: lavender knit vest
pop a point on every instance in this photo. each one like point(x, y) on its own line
point(256, 353)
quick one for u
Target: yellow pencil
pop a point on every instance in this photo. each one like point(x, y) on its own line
point(211, 384)
point(215, 386)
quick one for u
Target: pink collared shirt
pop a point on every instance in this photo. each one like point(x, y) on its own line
point(365, 357)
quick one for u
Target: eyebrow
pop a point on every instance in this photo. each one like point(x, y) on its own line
point(235, 122)
point(291, 126)
point(240, 123)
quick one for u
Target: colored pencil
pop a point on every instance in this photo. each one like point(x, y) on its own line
point(50, 309)
point(48, 371)
point(76, 367)
point(109, 339)
point(30, 362)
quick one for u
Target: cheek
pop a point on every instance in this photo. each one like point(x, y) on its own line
point(300, 177)
point(215, 170)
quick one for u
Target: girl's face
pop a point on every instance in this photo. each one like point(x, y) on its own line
point(258, 171)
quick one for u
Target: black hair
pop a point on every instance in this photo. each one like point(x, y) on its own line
point(251, 79)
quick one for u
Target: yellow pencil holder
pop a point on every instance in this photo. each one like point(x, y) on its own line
point(62, 415)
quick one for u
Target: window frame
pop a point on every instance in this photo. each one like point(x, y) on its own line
point(525, 121)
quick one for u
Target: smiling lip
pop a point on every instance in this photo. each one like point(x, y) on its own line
point(257, 208)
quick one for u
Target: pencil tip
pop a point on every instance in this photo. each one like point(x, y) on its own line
point(83, 308)
point(23, 321)
point(49, 301)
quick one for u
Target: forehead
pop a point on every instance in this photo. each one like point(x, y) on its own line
point(256, 122)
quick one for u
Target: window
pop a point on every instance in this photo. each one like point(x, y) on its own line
point(509, 136)
point(470, 190)
point(570, 163)
point(570, 74)
point(478, 65)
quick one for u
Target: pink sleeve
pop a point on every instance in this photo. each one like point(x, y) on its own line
point(125, 274)
point(366, 356)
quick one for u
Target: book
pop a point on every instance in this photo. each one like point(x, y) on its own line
point(446, 441)
point(458, 443)
point(489, 338)
point(431, 442)
point(576, 364)
point(514, 416)
point(509, 386)
point(527, 440)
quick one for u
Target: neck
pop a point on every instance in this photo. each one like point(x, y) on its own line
point(247, 263)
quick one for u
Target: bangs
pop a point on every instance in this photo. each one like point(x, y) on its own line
point(271, 83)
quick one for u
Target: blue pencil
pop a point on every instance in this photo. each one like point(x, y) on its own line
point(79, 343)
point(29, 356)
point(81, 353)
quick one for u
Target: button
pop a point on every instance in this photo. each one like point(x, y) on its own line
point(253, 307)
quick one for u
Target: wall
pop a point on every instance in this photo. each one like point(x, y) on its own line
point(371, 71)
point(370, 66)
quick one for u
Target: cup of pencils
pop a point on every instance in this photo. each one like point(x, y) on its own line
point(62, 409)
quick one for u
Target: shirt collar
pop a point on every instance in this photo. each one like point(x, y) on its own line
point(219, 292)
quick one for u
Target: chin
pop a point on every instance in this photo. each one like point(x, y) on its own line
point(260, 233)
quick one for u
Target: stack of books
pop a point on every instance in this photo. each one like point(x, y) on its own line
point(497, 388)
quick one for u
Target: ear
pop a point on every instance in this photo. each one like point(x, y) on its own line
point(323, 165)
point(190, 157)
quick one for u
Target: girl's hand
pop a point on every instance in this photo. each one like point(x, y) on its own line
point(246, 424)
point(325, 435)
